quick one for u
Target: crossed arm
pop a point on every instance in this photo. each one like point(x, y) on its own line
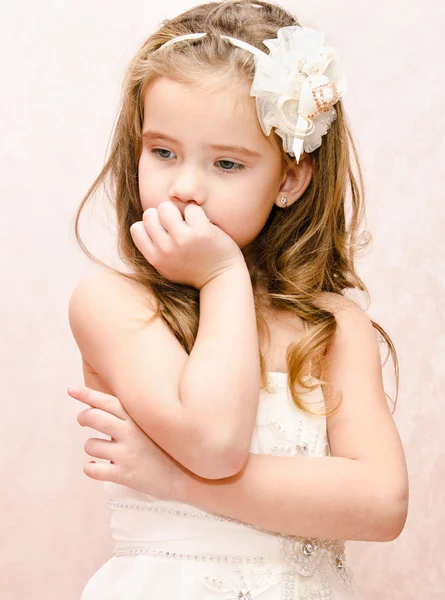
point(358, 493)
point(330, 497)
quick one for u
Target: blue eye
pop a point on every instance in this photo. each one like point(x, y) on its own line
point(155, 150)
point(238, 166)
point(232, 166)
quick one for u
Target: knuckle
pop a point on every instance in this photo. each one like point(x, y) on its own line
point(108, 401)
point(182, 238)
point(128, 478)
point(203, 234)
point(147, 219)
point(152, 255)
point(93, 417)
point(87, 417)
point(167, 248)
point(123, 414)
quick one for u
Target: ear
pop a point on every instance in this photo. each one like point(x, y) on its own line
point(294, 184)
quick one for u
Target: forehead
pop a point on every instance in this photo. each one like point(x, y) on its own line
point(181, 108)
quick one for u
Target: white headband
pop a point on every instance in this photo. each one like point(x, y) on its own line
point(296, 85)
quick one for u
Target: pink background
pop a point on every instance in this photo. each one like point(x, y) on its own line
point(61, 65)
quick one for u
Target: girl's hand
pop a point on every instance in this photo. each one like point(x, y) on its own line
point(136, 461)
point(191, 251)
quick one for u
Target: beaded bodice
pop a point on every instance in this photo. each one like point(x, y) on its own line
point(258, 559)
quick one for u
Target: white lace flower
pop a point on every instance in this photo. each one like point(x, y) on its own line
point(296, 87)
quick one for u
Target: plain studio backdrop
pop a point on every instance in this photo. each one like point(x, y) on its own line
point(61, 68)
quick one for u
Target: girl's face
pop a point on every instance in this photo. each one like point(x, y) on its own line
point(209, 148)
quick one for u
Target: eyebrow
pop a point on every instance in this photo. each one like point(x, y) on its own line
point(150, 134)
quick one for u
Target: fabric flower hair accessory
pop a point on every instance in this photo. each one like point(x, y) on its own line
point(296, 86)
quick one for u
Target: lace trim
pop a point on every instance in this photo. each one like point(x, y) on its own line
point(219, 558)
point(179, 513)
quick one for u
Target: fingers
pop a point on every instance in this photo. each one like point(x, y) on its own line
point(101, 421)
point(161, 225)
point(102, 472)
point(158, 229)
point(155, 228)
point(100, 448)
point(166, 223)
point(195, 217)
point(171, 219)
point(93, 398)
point(142, 241)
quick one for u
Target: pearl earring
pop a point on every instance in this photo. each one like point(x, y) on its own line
point(283, 201)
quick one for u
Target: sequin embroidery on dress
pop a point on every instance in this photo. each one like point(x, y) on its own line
point(303, 569)
point(245, 584)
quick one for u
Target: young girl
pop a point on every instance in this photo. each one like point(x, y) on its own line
point(241, 389)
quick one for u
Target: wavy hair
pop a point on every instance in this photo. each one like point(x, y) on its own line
point(301, 251)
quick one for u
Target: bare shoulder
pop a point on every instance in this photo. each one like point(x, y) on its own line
point(105, 306)
point(352, 360)
point(348, 314)
point(105, 283)
point(110, 291)
point(354, 343)
point(338, 304)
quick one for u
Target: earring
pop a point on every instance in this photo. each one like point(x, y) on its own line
point(283, 201)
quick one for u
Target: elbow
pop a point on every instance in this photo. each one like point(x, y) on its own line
point(235, 459)
point(219, 461)
point(393, 516)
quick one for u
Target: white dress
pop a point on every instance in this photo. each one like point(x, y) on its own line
point(172, 551)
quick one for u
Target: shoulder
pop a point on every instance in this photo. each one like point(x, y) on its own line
point(107, 293)
point(337, 304)
point(354, 345)
point(347, 313)
point(355, 336)
point(108, 287)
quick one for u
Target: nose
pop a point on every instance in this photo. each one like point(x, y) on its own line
point(187, 187)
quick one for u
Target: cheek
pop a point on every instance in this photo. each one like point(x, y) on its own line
point(246, 218)
point(150, 185)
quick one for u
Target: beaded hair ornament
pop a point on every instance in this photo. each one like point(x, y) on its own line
point(296, 85)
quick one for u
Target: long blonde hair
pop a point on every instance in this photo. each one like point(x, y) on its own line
point(301, 251)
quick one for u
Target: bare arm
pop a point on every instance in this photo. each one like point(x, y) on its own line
point(220, 384)
point(359, 493)
point(200, 408)
point(328, 497)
